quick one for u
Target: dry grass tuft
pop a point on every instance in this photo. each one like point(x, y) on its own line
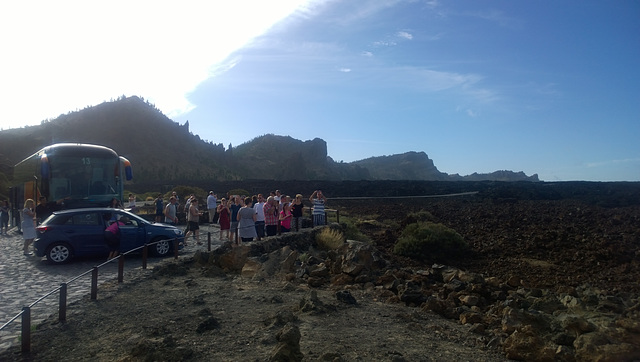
point(330, 239)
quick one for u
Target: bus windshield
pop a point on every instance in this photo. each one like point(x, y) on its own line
point(84, 178)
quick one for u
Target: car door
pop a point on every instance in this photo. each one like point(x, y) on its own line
point(85, 231)
point(131, 234)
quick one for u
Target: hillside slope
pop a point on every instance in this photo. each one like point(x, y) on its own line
point(164, 152)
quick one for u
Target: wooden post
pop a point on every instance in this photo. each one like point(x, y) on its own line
point(26, 329)
point(62, 308)
point(94, 283)
point(208, 240)
point(175, 248)
point(145, 255)
point(120, 268)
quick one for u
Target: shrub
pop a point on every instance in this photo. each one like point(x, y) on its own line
point(351, 230)
point(329, 239)
point(303, 257)
point(419, 216)
point(429, 241)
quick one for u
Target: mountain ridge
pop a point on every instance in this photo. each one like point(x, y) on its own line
point(164, 152)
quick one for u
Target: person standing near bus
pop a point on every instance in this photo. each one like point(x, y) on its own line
point(247, 221)
point(132, 203)
point(212, 206)
point(159, 208)
point(45, 209)
point(28, 225)
point(171, 212)
point(270, 210)
point(259, 208)
point(296, 211)
point(112, 236)
point(318, 200)
point(4, 218)
point(225, 218)
point(233, 209)
point(193, 216)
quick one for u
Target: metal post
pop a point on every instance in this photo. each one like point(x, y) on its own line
point(26, 329)
point(145, 254)
point(208, 240)
point(62, 308)
point(120, 268)
point(338, 216)
point(94, 283)
point(175, 248)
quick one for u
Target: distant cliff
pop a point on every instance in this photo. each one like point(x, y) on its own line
point(165, 152)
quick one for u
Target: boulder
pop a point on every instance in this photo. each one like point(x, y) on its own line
point(360, 256)
point(288, 347)
point(234, 259)
point(411, 293)
point(346, 297)
point(250, 268)
point(526, 344)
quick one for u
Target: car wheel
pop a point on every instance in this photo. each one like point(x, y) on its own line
point(59, 253)
point(162, 247)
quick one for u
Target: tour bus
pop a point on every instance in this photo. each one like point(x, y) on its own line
point(74, 175)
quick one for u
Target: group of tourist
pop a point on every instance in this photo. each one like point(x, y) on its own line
point(243, 218)
point(256, 217)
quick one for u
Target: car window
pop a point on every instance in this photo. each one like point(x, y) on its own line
point(87, 219)
point(132, 222)
point(58, 220)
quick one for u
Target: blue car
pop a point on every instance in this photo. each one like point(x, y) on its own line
point(80, 232)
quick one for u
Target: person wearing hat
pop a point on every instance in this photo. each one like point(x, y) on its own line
point(211, 207)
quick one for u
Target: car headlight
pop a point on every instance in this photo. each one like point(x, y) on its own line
point(177, 232)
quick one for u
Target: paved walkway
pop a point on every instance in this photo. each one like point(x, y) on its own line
point(25, 279)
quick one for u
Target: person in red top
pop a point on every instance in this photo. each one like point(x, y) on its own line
point(112, 236)
point(285, 218)
point(270, 209)
point(223, 219)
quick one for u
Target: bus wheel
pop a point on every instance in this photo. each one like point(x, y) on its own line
point(161, 248)
point(59, 253)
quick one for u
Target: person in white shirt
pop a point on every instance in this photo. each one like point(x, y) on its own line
point(211, 206)
point(258, 207)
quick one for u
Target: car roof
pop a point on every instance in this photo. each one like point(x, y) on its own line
point(90, 209)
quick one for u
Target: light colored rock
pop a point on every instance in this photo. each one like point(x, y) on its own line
point(234, 259)
point(469, 300)
point(526, 345)
point(250, 268)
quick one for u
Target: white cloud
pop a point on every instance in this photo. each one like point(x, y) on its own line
point(68, 54)
point(345, 70)
point(367, 54)
point(385, 43)
point(404, 34)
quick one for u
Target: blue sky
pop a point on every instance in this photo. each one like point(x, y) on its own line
point(543, 87)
